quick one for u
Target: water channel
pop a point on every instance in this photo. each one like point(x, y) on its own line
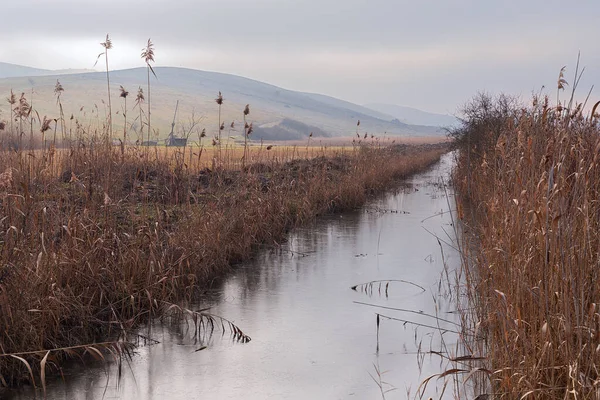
point(310, 337)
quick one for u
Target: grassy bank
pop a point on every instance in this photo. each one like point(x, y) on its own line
point(529, 196)
point(98, 239)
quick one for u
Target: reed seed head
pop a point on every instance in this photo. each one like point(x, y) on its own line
point(124, 93)
point(23, 109)
point(140, 95)
point(12, 99)
point(107, 44)
point(58, 88)
point(45, 124)
point(148, 53)
point(219, 99)
point(562, 82)
point(247, 109)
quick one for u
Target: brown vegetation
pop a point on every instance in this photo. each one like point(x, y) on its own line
point(529, 184)
point(95, 239)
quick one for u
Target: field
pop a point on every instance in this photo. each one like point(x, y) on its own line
point(529, 184)
point(96, 238)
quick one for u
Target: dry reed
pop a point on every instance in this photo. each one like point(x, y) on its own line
point(529, 184)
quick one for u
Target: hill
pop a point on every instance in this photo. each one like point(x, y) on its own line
point(410, 115)
point(8, 70)
point(293, 112)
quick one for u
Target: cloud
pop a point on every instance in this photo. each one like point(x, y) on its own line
point(406, 52)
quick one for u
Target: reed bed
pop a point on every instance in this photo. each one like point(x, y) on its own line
point(528, 178)
point(197, 157)
point(231, 156)
point(96, 239)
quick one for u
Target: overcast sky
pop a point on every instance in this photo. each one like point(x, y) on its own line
point(432, 55)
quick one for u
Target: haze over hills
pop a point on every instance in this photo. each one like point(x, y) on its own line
point(275, 112)
point(8, 70)
point(410, 115)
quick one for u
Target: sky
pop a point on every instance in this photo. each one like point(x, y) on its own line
point(432, 55)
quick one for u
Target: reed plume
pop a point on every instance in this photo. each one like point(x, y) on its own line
point(107, 44)
point(148, 57)
point(123, 94)
point(219, 101)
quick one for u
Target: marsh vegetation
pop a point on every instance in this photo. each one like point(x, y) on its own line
point(98, 234)
point(528, 178)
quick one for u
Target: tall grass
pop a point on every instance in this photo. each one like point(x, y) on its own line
point(107, 45)
point(219, 101)
point(123, 94)
point(139, 101)
point(247, 130)
point(528, 178)
point(58, 90)
point(148, 57)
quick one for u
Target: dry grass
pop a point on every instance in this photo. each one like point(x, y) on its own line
point(348, 141)
point(95, 239)
point(231, 156)
point(529, 183)
point(198, 157)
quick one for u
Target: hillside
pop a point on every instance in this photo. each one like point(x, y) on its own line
point(8, 70)
point(85, 97)
point(410, 115)
point(12, 70)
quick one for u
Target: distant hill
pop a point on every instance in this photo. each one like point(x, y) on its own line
point(332, 101)
point(410, 115)
point(274, 111)
point(13, 70)
point(290, 129)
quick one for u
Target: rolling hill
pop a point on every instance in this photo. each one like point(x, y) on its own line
point(277, 112)
point(410, 115)
point(8, 70)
